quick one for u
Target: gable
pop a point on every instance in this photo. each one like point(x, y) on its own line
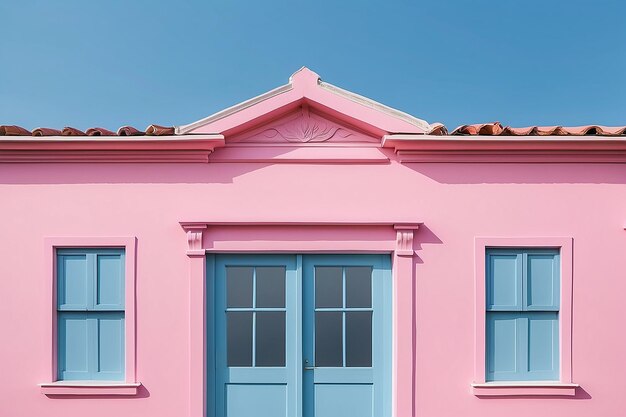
point(307, 110)
point(304, 125)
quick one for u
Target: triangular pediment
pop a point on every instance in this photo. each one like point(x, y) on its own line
point(307, 110)
point(304, 125)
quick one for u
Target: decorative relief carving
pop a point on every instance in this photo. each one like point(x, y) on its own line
point(306, 129)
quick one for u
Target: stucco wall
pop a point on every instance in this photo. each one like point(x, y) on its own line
point(456, 203)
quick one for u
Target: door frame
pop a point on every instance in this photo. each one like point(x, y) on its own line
point(394, 238)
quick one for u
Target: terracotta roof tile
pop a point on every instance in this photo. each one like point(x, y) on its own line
point(129, 131)
point(99, 131)
point(156, 130)
point(436, 129)
point(46, 131)
point(496, 129)
point(70, 131)
point(12, 130)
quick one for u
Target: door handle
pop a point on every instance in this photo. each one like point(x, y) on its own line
point(307, 367)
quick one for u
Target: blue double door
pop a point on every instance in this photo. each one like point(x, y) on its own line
point(299, 335)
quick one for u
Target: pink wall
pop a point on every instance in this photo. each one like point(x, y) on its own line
point(455, 202)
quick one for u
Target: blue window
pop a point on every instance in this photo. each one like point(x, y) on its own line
point(522, 326)
point(90, 314)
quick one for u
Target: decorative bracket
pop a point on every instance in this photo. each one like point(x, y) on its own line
point(194, 239)
point(404, 238)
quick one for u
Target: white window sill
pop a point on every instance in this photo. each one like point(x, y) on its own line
point(89, 388)
point(527, 388)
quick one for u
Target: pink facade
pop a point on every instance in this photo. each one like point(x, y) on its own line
point(309, 168)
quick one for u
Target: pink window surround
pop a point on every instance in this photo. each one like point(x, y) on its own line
point(306, 237)
point(53, 387)
point(563, 387)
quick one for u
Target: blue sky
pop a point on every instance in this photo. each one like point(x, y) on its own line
point(109, 63)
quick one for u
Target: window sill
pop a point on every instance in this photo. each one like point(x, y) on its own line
point(89, 388)
point(530, 388)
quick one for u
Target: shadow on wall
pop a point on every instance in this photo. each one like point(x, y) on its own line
point(518, 173)
point(143, 173)
point(131, 173)
point(423, 236)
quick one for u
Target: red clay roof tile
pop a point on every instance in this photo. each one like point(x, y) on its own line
point(46, 131)
point(156, 130)
point(436, 129)
point(70, 131)
point(99, 131)
point(129, 131)
point(496, 129)
point(12, 130)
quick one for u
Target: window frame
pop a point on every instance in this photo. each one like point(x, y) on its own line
point(128, 243)
point(522, 309)
point(565, 247)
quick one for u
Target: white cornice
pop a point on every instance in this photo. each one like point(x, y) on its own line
point(368, 102)
point(181, 130)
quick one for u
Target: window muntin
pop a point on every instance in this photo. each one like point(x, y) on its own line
point(255, 316)
point(343, 316)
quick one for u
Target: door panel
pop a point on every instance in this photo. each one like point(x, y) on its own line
point(256, 316)
point(347, 334)
point(300, 335)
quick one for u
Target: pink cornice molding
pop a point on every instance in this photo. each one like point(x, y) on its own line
point(510, 149)
point(109, 149)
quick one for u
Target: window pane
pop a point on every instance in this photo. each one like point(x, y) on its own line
point(270, 338)
point(328, 338)
point(239, 338)
point(270, 286)
point(239, 286)
point(359, 338)
point(358, 286)
point(328, 287)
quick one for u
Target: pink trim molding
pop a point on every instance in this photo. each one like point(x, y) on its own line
point(530, 389)
point(509, 149)
point(91, 388)
point(129, 243)
point(109, 149)
point(306, 237)
point(565, 244)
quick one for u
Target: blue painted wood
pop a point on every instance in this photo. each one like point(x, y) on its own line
point(91, 346)
point(541, 280)
point(543, 345)
point(73, 342)
point(90, 300)
point(290, 391)
point(73, 275)
point(522, 338)
point(343, 390)
point(109, 281)
point(263, 391)
point(504, 280)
